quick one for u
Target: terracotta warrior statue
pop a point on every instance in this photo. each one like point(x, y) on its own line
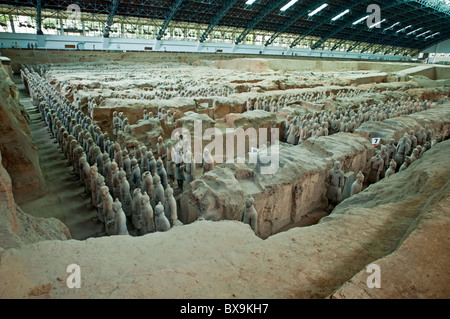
point(170, 167)
point(93, 181)
point(118, 155)
point(415, 155)
point(143, 163)
point(161, 221)
point(405, 164)
point(189, 167)
point(147, 185)
point(136, 207)
point(151, 163)
point(161, 147)
point(358, 184)
point(125, 195)
point(120, 221)
point(170, 206)
point(402, 151)
point(385, 157)
point(158, 190)
point(115, 179)
point(127, 165)
point(86, 177)
point(107, 209)
point(377, 165)
point(147, 215)
point(135, 174)
point(391, 170)
point(336, 183)
point(249, 214)
point(391, 149)
point(161, 172)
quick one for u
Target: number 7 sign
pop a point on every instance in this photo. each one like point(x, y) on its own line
point(376, 141)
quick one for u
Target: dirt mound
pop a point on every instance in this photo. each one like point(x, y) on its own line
point(18, 228)
point(18, 150)
point(417, 267)
point(388, 223)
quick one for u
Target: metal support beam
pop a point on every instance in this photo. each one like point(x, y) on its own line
point(110, 21)
point(326, 20)
point(169, 18)
point(406, 42)
point(11, 22)
point(439, 38)
point(378, 48)
point(437, 5)
point(350, 24)
point(292, 19)
point(39, 18)
point(228, 5)
point(438, 24)
point(376, 32)
point(61, 24)
point(272, 5)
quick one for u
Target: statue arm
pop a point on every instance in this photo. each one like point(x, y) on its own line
point(341, 180)
point(254, 220)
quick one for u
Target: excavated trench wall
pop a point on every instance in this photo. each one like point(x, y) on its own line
point(301, 65)
point(299, 186)
point(18, 149)
point(19, 57)
point(283, 198)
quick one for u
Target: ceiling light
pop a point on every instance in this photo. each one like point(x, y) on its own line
point(392, 26)
point(250, 2)
point(404, 29)
point(431, 36)
point(340, 15)
point(378, 23)
point(414, 31)
point(360, 20)
point(323, 6)
point(423, 33)
point(290, 4)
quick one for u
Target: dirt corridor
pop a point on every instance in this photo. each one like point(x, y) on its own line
point(63, 200)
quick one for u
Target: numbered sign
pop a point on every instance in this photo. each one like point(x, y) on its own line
point(376, 141)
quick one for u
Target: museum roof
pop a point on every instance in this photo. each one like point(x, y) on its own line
point(416, 24)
